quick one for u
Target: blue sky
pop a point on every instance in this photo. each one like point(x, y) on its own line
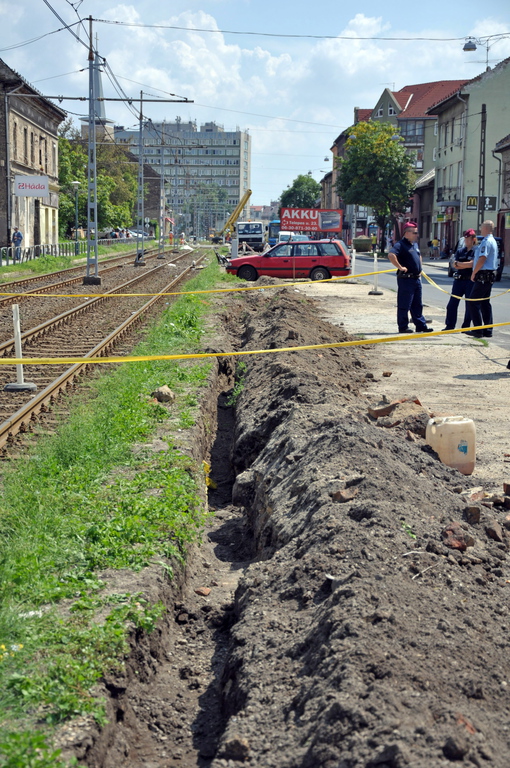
point(294, 94)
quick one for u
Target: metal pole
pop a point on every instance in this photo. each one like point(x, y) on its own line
point(375, 291)
point(481, 178)
point(139, 262)
point(76, 246)
point(20, 385)
point(92, 176)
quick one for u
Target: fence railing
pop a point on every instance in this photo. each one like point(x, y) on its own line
point(18, 254)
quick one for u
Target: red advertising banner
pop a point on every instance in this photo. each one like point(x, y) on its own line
point(311, 219)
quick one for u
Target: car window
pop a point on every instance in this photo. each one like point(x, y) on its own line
point(281, 250)
point(305, 249)
point(329, 249)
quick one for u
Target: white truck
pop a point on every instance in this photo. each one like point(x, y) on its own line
point(252, 233)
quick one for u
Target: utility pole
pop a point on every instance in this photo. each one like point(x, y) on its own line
point(481, 178)
point(139, 262)
point(90, 279)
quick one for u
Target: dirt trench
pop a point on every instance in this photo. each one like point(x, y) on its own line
point(341, 628)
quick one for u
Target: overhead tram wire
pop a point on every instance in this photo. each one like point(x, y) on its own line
point(67, 26)
point(35, 39)
point(279, 34)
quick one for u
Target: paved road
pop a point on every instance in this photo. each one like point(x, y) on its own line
point(432, 297)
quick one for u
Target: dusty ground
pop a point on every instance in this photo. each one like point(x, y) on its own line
point(358, 610)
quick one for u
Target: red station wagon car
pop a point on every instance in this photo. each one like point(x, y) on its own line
point(314, 259)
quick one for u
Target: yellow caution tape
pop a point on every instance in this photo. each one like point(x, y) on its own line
point(187, 293)
point(201, 355)
point(486, 298)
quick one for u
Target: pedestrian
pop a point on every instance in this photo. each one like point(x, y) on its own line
point(405, 256)
point(374, 243)
point(485, 263)
point(435, 248)
point(17, 237)
point(462, 283)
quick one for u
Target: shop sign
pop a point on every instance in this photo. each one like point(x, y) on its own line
point(472, 203)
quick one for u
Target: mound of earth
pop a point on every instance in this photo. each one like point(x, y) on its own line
point(370, 630)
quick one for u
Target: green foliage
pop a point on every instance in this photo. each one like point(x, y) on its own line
point(116, 184)
point(376, 171)
point(28, 749)
point(241, 369)
point(303, 193)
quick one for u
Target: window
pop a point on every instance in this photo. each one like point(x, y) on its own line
point(380, 111)
point(434, 154)
point(305, 250)
point(283, 250)
point(32, 147)
point(15, 140)
point(412, 131)
point(25, 145)
point(391, 110)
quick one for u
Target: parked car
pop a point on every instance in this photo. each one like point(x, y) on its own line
point(315, 259)
point(501, 257)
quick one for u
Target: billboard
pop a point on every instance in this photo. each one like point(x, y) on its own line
point(311, 219)
point(31, 186)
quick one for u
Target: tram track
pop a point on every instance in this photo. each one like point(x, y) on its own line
point(86, 331)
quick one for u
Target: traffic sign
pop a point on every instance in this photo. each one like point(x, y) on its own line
point(490, 203)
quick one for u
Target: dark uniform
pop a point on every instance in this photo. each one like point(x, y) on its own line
point(409, 293)
point(462, 286)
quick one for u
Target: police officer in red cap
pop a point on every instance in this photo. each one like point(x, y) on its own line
point(405, 256)
point(462, 283)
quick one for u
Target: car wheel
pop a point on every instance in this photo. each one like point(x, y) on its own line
point(246, 272)
point(319, 273)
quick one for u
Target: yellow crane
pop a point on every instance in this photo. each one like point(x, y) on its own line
point(231, 221)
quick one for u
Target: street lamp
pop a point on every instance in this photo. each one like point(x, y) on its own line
point(472, 43)
point(75, 185)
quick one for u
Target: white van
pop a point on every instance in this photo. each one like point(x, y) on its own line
point(285, 237)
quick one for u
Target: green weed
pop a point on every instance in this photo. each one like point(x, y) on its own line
point(82, 502)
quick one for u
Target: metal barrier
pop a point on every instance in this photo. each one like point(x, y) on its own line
point(19, 254)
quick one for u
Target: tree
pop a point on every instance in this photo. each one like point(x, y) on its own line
point(303, 193)
point(116, 182)
point(376, 171)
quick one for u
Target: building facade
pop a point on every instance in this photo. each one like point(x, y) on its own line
point(207, 170)
point(28, 147)
point(470, 122)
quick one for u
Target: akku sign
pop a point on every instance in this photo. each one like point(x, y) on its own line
point(31, 186)
point(311, 219)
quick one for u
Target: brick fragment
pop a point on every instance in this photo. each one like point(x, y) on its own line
point(346, 494)
point(204, 591)
point(455, 537)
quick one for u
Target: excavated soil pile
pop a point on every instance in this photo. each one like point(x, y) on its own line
point(371, 629)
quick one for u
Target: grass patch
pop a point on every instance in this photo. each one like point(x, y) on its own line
point(82, 501)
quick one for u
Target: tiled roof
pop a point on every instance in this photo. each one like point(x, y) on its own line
point(416, 100)
point(364, 115)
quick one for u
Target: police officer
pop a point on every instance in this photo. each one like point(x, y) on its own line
point(485, 263)
point(405, 256)
point(462, 283)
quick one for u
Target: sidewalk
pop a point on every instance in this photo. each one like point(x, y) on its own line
point(452, 374)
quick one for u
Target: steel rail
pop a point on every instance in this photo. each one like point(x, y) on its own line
point(62, 283)
point(33, 333)
point(20, 421)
